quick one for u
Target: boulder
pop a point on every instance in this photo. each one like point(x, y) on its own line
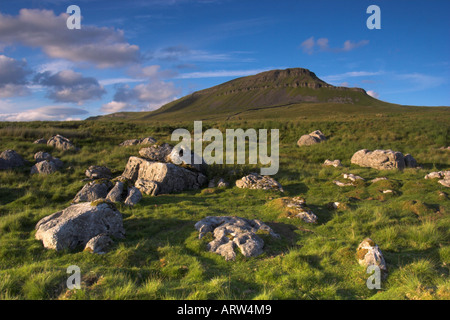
point(61, 143)
point(166, 153)
point(147, 187)
point(230, 232)
point(44, 167)
point(10, 159)
point(116, 193)
point(92, 191)
point(368, 253)
point(79, 223)
point(158, 153)
point(382, 159)
point(41, 156)
point(134, 196)
point(98, 172)
point(99, 244)
point(169, 177)
point(312, 138)
point(40, 141)
point(256, 181)
point(334, 163)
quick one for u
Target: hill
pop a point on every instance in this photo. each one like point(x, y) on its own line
point(272, 94)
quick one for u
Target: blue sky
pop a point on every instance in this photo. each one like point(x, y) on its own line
point(139, 55)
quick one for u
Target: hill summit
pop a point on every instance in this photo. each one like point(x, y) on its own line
point(263, 95)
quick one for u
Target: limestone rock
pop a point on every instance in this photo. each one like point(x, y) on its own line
point(98, 172)
point(147, 187)
point(368, 253)
point(134, 196)
point(312, 138)
point(79, 223)
point(256, 181)
point(44, 167)
point(115, 194)
point(352, 177)
point(170, 178)
point(443, 175)
point(61, 143)
point(158, 153)
point(143, 141)
point(41, 156)
point(40, 141)
point(382, 159)
point(10, 159)
point(334, 163)
point(98, 244)
point(218, 183)
point(296, 208)
point(93, 191)
point(230, 232)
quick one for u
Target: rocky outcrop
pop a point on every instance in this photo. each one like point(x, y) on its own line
point(61, 143)
point(10, 159)
point(134, 196)
point(312, 138)
point(98, 172)
point(78, 224)
point(230, 232)
point(383, 159)
point(368, 253)
point(168, 177)
point(256, 181)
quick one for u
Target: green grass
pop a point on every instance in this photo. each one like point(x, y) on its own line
point(162, 257)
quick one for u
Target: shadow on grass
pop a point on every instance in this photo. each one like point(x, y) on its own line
point(8, 195)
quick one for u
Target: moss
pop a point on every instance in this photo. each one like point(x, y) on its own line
point(98, 202)
point(361, 253)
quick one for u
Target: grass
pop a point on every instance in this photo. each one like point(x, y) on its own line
point(162, 257)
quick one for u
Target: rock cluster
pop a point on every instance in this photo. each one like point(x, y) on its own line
point(133, 142)
point(256, 181)
point(444, 177)
point(230, 232)
point(312, 138)
point(79, 225)
point(104, 189)
point(46, 164)
point(349, 176)
point(383, 159)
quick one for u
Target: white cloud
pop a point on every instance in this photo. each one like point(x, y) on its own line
point(115, 106)
point(309, 45)
point(48, 113)
point(70, 86)
point(373, 94)
point(103, 47)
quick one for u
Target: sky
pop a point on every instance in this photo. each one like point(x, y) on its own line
point(139, 55)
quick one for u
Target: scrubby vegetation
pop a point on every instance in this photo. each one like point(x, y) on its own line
point(162, 257)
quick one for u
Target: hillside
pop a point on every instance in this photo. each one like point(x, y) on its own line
point(272, 94)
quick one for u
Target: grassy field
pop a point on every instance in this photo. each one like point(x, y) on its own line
point(161, 256)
